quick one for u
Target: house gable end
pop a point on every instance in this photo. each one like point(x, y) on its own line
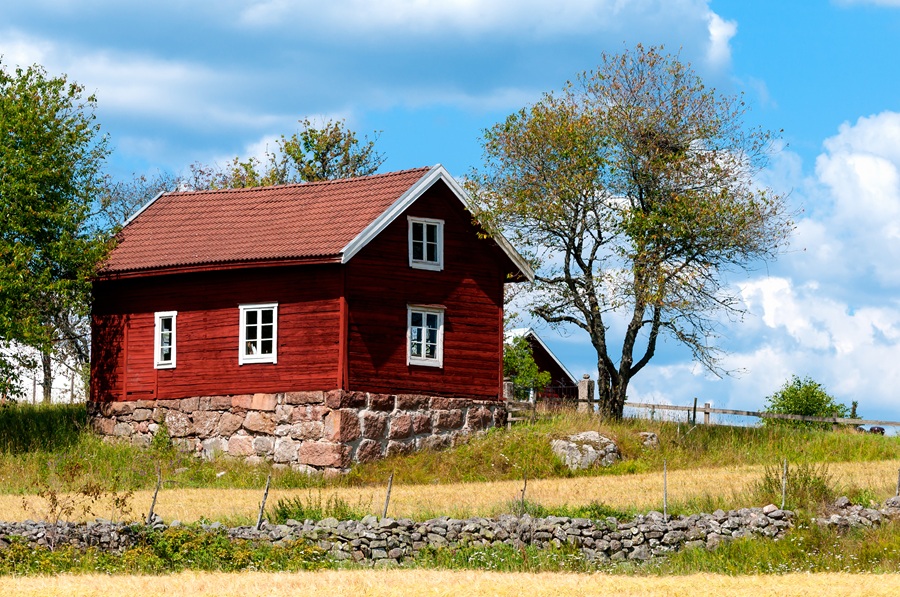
point(437, 173)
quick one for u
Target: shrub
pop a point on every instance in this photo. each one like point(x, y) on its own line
point(803, 397)
point(809, 486)
point(313, 508)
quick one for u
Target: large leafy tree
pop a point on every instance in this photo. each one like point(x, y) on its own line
point(51, 154)
point(315, 153)
point(633, 190)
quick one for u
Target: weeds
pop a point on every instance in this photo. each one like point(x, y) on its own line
point(313, 508)
point(809, 486)
point(164, 552)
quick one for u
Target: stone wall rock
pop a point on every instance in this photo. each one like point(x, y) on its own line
point(388, 541)
point(322, 431)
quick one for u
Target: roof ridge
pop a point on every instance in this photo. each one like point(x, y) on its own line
point(295, 185)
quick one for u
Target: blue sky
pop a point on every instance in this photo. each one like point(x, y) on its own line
point(179, 82)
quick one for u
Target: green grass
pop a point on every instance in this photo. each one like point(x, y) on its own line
point(525, 450)
point(807, 548)
point(314, 508)
point(166, 552)
point(27, 428)
point(47, 444)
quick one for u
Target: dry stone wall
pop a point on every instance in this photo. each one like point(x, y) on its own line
point(312, 431)
point(388, 541)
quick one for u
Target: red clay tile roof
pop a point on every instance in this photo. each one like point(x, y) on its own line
point(300, 221)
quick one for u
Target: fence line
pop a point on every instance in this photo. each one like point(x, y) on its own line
point(707, 409)
point(517, 410)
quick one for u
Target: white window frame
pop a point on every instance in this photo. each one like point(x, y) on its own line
point(244, 357)
point(158, 361)
point(438, 360)
point(437, 265)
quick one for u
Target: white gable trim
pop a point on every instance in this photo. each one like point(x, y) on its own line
point(141, 210)
point(437, 172)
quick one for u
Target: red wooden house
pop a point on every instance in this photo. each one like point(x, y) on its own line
point(358, 291)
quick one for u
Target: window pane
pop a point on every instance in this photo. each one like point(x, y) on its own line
point(417, 251)
point(431, 229)
point(430, 351)
point(251, 317)
point(267, 315)
point(165, 354)
point(251, 332)
point(416, 319)
point(165, 324)
point(267, 332)
point(266, 347)
point(432, 320)
point(431, 336)
point(417, 231)
point(251, 347)
point(432, 253)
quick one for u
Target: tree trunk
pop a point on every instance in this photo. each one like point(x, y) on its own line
point(47, 382)
point(612, 394)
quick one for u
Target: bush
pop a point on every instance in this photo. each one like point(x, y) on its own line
point(314, 509)
point(803, 397)
point(809, 486)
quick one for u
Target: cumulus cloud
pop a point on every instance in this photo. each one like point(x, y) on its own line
point(720, 34)
point(832, 312)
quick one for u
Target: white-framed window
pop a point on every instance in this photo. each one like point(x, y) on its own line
point(164, 339)
point(259, 334)
point(426, 243)
point(425, 336)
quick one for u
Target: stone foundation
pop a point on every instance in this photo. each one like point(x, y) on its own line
point(312, 431)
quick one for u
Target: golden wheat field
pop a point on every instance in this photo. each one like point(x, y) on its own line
point(436, 583)
point(643, 491)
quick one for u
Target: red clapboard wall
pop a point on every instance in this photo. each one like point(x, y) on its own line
point(380, 284)
point(207, 332)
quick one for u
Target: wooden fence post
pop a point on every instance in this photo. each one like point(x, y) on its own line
point(706, 407)
point(387, 498)
point(784, 484)
point(262, 505)
point(665, 491)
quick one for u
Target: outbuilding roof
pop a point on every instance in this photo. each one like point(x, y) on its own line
point(309, 222)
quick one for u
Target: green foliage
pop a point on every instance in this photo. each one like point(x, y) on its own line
point(519, 365)
point(595, 510)
point(809, 486)
point(313, 508)
point(313, 154)
point(505, 558)
point(28, 428)
point(631, 190)
point(51, 153)
point(803, 397)
point(165, 552)
point(808, 548)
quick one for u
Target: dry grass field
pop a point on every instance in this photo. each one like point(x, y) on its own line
point(396, 583)
point(641, 491)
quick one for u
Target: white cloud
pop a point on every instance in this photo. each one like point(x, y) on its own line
point(415, 17)
point(720, 34)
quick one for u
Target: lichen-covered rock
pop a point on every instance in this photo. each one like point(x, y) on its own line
point(649, 440)
point(586, 449)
